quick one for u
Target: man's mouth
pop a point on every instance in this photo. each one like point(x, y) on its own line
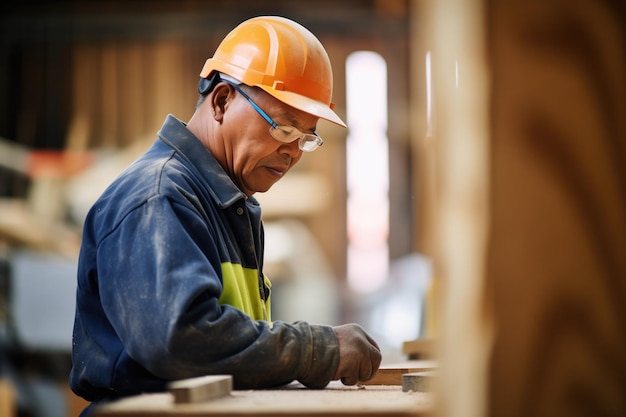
point(276, 171)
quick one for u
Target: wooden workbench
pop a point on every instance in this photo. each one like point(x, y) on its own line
point(294, 399)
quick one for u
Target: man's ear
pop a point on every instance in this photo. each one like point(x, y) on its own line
point(220, 98)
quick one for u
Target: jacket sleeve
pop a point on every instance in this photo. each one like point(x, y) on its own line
point(160, 282)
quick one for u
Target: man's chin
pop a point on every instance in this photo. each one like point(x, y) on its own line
point(257, 189)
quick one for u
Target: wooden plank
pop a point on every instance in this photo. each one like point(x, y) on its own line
point(109, 95)
point(205, 388)
point(419, 348)
point(20, 227)
point(84, 107)
point(462, 155)
point(391, 374)
point(418, 381)
point(293, 399)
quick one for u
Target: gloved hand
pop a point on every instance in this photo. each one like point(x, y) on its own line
point(359, 355)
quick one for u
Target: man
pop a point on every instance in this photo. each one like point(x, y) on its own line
point(170, 275)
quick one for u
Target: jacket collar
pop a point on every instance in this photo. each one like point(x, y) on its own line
point(175, 134)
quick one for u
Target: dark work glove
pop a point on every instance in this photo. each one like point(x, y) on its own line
point(359, 355)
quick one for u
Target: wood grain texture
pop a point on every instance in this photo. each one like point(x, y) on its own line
point(557, 261)
point(293, 400)
point(391, 374)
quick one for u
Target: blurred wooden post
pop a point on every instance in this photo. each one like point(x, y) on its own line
point(557, 256)
point(425, 181)
point(531, 192)
point(461, 146)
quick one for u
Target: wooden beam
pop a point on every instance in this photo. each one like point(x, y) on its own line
point(392, 374)
point(419, 348)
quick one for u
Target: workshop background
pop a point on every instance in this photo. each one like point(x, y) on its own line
point(86, 86)
point(477, 202)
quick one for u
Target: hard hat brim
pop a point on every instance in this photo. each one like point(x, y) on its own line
point(305, 104)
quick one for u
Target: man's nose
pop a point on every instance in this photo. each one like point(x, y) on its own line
point(292, 149)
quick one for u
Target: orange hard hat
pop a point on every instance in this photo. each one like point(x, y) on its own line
point(281, 57)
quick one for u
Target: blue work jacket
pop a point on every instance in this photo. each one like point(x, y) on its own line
point(171, 284)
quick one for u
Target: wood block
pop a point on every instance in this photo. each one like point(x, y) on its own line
point(418, 381)
point(204, 388)
point(392, 374)
point(419, 348)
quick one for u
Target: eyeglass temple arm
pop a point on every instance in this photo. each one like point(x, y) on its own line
point(257, 108)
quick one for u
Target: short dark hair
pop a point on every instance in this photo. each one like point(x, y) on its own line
point(201, 99)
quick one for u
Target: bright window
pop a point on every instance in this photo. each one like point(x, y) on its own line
point(367, 171)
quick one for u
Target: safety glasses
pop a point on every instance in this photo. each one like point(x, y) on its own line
point(307, 142)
